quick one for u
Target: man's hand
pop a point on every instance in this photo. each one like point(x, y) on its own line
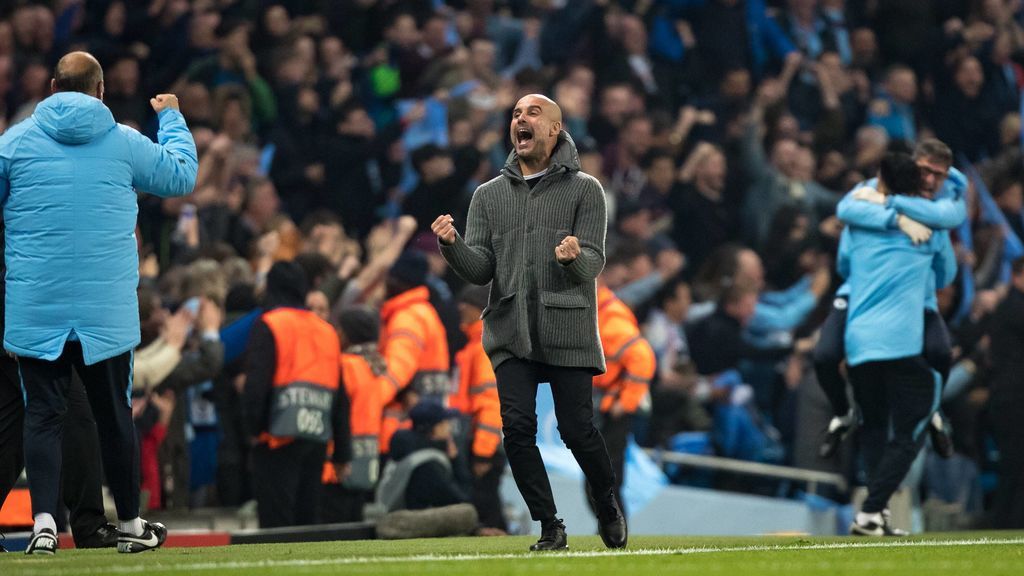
point(176, 327)
point(444, 229)
point(164, 101)
point(343, 471)
point(917, 232)
point(210, 315)
point(869, 195)
point(567, 250)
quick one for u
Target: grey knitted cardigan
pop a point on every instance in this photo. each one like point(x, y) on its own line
point(538, 309)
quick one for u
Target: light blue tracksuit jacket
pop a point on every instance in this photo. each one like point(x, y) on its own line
point(68, 181)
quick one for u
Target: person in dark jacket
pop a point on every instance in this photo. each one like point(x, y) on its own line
point(716, 341)
point(1006, 403)
point(431, 483)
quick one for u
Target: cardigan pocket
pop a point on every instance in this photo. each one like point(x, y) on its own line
point(564, 320)
point(499, 324)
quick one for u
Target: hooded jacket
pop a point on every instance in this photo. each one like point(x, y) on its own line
point(68, 181)
point(538, 308)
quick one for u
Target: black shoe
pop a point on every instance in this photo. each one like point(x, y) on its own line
point(153, 536)
point(552, 537)
point(838, 429)
point(104, 537)
point(611, 523)
point(43, 542)
point(941, 435)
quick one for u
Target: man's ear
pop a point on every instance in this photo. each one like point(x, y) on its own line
point(99, 90)
point(53, 85)
point(557, 127)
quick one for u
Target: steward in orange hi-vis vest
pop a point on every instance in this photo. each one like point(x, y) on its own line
point(629, 357)
point(477, 395)
point(413, 343)
point(360, 378)
point(361, 365)
point(292, 402)
point(306, 377)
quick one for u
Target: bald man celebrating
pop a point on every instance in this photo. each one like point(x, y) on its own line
point(536, 233)
point(68, 181)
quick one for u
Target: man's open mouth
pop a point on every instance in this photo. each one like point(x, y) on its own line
point(523, 135)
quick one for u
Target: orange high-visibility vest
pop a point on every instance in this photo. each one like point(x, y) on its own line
point(364, 418)
point(630, 360)
point(477, 395)
point(415, 349)
point(305, 377)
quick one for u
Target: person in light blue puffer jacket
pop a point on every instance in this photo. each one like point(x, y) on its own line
point(68, 181)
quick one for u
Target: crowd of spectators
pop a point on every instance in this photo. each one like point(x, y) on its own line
point(723, 131)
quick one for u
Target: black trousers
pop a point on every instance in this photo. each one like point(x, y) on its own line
point(50, 398)
point(486, 494)
point(831, 349)
point(571, 389)
point(340, 504)
point(286, 483)
point(1006, 412)
point(12, 418)
point(900, 395)
point(81, 477)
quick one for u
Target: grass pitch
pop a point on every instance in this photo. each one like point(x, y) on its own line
point(973, 554)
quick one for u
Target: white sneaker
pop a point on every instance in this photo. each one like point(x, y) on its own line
point(153, 536)
point(43, 542)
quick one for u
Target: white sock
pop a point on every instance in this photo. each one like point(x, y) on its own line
point(131, 527)
point(866, 517)
point(44, 520)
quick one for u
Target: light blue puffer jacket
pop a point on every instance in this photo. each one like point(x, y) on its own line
point(68, 180)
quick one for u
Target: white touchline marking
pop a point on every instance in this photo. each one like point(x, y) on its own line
point(47, 567)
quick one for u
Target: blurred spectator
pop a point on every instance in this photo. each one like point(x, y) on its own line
point(1006, 402)
point(420, 474)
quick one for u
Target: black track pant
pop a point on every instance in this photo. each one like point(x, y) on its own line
point(901, 394)
point(54, 412)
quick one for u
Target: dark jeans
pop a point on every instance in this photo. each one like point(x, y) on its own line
point(286, 483)
point(571, 389)
point(901, 394)
point(50, 398)
point(831, 349)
